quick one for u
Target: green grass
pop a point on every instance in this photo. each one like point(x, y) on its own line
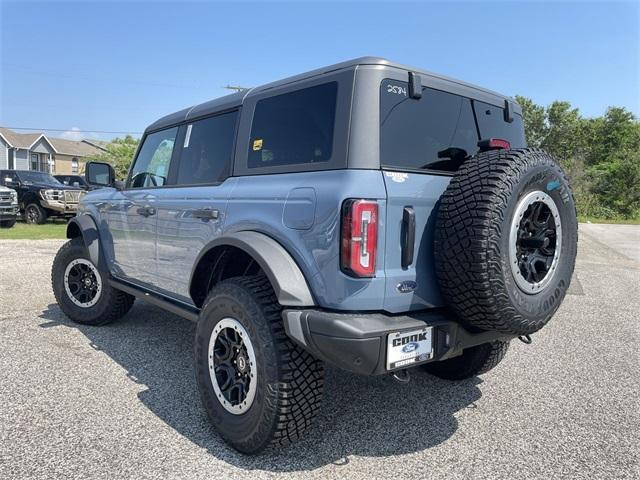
point(618, 221)
point(22, 231)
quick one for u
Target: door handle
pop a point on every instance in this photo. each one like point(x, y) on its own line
point(146, 211)
point(408, 236)
point(205, 213)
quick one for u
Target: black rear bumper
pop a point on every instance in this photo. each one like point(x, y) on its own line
point(357, 342)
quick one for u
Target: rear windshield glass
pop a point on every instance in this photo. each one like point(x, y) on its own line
point(437, 131)
point(492, 125)
point(294, 128)
point(427, 133)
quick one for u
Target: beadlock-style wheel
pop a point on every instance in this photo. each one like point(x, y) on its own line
point(232, 366)
point(535, 242)
point(82, 283)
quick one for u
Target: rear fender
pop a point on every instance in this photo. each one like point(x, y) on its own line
point(287, 280)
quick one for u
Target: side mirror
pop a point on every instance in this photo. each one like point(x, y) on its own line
point(100, 174)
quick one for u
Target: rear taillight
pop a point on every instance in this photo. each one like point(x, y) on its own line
point(359, 238)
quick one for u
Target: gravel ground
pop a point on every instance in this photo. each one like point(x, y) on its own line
point(121, 402)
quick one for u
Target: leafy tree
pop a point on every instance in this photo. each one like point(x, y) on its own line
point(535, 126)
point(120, 153)
point(600, 155)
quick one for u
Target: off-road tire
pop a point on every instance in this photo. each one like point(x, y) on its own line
point(38, 217)
point(290, 380)
point(472, 240)
point(112, 305)
point(7, 223)
point(473, 361)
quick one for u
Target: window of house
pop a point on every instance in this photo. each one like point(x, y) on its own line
point(74, 165)
point(151, 167)
point(35, 162)
point(207, 151)
point(435, 132)
point(294, 128)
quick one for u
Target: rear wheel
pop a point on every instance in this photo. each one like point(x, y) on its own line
point(473, 361)
point(35, 214)
point(258, 388)
point(82, 290)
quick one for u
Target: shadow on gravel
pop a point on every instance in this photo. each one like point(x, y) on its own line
point(360, 416)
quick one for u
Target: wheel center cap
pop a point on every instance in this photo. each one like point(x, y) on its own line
point(87, 281)
point(242, 363)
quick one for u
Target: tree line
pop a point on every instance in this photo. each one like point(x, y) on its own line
point(600, 155)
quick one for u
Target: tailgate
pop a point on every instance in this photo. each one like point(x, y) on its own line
point(413, 286)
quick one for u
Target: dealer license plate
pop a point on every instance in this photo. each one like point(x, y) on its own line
point(409, 347)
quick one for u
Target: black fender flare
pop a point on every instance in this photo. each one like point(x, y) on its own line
point(85, 226)
point(284, 274)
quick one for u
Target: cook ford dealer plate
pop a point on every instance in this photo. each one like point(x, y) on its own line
point(409, 347)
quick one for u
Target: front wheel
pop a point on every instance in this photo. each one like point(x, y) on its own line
point(82, 290)
point(35, 214)
point(258, 388)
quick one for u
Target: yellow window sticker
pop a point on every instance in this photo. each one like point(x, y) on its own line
point(257, 144)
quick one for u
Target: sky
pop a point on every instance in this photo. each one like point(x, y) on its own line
point(89, 67)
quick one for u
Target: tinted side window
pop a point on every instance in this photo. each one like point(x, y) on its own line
point(434, 132)
point(207, 150)
point(152, 164)
point(294, 128)
point(492, 125)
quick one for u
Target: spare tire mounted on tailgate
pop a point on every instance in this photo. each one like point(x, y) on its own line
point(506, 240)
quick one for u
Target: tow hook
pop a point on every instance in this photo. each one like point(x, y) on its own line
point(401, 376)
point(525, 339)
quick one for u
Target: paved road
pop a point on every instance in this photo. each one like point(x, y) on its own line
point(120, 401)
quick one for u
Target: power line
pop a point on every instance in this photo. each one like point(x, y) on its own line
point(71, 130)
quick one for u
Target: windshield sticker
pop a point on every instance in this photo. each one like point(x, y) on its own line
point(187, 137)
point(257, 144)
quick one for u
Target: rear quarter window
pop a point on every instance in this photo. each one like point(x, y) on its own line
point(294, 128)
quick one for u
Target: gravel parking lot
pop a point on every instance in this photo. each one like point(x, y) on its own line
point(121, 402)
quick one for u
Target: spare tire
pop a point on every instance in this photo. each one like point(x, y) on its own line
point(506, 240)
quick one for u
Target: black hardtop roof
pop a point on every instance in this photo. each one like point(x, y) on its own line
point(236, 99)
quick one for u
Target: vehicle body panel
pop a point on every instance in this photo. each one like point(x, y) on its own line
point(298, 206)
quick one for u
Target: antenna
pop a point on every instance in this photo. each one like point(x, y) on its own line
point(236, 88)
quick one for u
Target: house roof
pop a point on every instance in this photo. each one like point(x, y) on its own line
point(71, 147)
point(19, 140)
point(101, 144)
point(60, 145)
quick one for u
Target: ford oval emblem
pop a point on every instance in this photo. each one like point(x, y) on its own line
point(409, 347)
point(407, 286)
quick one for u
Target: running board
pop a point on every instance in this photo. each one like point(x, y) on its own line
point(157, 300)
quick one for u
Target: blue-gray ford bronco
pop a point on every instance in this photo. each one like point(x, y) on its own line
point(367, 215)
